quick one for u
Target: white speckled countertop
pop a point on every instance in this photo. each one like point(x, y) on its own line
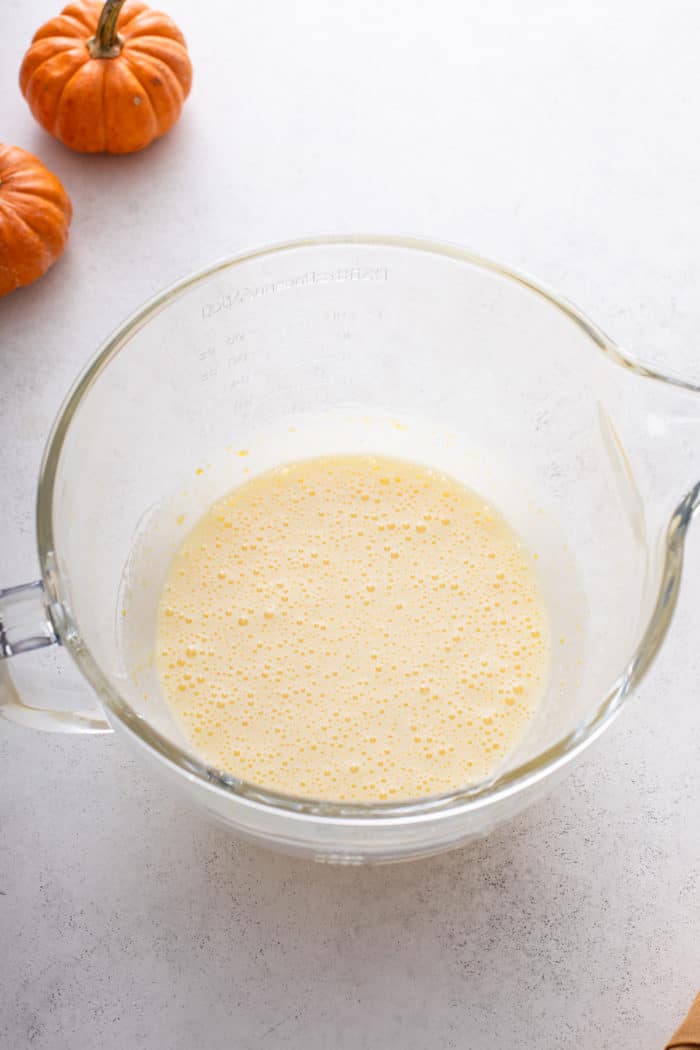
point(560, 137)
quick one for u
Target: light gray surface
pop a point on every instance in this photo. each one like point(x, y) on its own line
point(560, 137)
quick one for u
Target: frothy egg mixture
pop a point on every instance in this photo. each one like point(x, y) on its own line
point(353, 627)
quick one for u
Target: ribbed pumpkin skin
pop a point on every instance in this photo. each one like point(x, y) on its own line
point(35, 213)
point(116, 104)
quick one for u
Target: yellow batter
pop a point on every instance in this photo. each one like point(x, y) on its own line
point(353, 628)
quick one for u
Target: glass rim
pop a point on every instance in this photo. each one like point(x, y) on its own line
point(512, 782)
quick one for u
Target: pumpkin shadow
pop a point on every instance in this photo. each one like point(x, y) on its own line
point(78, 170)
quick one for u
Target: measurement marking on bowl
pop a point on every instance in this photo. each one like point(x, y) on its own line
point(312, 277)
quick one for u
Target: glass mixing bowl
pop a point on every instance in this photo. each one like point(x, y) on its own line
point(590, 455)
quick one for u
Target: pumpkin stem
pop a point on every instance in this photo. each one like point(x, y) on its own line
point(106, 43)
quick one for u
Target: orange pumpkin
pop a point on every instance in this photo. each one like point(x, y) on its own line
point(35, 212)
point(107, 78)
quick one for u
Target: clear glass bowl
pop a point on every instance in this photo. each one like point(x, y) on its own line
point(591, 456)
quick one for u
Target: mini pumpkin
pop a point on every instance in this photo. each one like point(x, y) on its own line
point(35, 212)
point(107, 78)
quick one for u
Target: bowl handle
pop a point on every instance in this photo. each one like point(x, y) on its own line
point(26, 625)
